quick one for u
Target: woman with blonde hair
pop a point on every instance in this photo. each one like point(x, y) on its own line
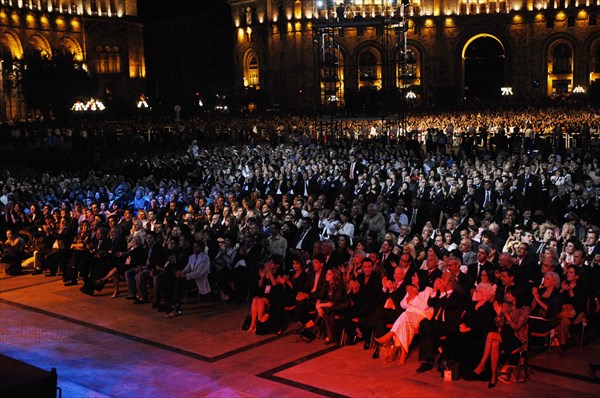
point(476, 323)
point(511, 321)
point(547, 302)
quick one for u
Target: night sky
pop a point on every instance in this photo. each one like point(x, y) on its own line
point(153, 10)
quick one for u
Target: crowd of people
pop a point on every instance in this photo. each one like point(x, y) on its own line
point(468, 230)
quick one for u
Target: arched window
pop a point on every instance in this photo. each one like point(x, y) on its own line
point(367, 66)
point(38, 44)
point(252, 71)
point(408, 68)
point(331, 70)
point(108, 60)
point(114, 60)
point(11, 45)
point(562, 58)
point(67, 45)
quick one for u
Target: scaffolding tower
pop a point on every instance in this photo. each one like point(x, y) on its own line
point(387, 100)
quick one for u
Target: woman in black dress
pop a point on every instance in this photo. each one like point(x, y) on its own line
point(511, 321)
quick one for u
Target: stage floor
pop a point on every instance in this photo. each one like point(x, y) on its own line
point(111, 348)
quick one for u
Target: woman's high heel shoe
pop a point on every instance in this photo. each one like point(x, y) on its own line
point(493, 381)
point(376, 353)
point(479, 369)
point(115, 295)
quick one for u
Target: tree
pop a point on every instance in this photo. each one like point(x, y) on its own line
point(51, 85)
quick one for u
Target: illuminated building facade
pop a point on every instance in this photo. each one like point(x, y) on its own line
point(449, 48)
point(104, 36)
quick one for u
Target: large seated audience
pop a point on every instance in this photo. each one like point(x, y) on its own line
point(456, 238)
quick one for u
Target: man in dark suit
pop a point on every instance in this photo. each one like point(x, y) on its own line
point(449, 302)
point(463, 213)
point(482, 264)
point(592, 248)
point(271, 184)
point(527, 186)
point(416, 216)
point(137, 278)
point(333, 259)
point(452, 227)
point(532, 244)
point(507, 277)
point(365, 294)
point(326, 186)
point(433, 271)
point(557, 206)
point(306, 236)
point(309, 293)
point(487, 198)
point(502, 197)
point(526, 220)
point(246, 268)
point(453, 265)
point(394, 291)
point(209, 179)
point(343, 187)
point(361, 186)
point(296, 185)
point(126, 223)
point(422, 191)
point(390, 192)
point(388, 260)
point(526, 263)
point(355, 168)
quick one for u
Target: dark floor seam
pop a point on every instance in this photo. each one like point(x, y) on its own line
point(568, 375)
point(141, 340)
point(270, 374)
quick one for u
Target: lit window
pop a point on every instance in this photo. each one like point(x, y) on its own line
point(368, 66)
point(251, 71)
point(411, 74)
point(108, 60)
